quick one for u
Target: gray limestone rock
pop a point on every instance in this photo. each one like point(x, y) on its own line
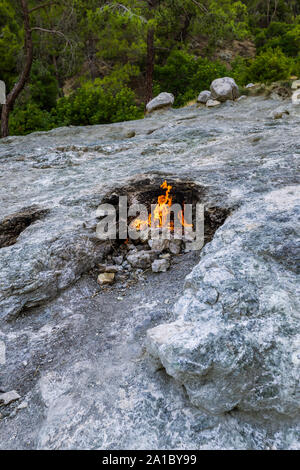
point(204, 96)
point(163, 100)
point(160, 265)
point(228, 336)
point(235, 342)
point(223, 89)
point(140, 259)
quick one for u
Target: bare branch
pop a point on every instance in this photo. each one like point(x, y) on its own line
point(52, 31)
point(202, 7)
point(123, 7)
point(43, 5)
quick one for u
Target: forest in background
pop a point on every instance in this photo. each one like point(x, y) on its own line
point(83, 62)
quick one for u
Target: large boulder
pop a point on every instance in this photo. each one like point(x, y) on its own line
point(223, 89)
point(235, 342)
point(163, 100)
point(204, 96)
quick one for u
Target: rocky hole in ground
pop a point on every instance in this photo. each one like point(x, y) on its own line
point(14, 224)
point(129, 260)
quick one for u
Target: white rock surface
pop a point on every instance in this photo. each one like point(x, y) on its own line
point(235, 342)
point(97, 387)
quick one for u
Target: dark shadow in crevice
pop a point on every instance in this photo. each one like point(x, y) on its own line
point(14, 224)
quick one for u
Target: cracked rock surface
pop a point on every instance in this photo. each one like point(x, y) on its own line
point(205, 355)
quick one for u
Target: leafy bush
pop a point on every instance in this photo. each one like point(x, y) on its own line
point(270, 66)
point(30, 118)
point(91, 104)
point(185, 76)
point(279, 35)
point(240, 70)
point(43, 86)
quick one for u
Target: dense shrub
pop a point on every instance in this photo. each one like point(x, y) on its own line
point(279, 35)
point(30, 118)
point(240, 70)
point(185, 76)
point(270, 66)
point(94, 105)
point(43, 86)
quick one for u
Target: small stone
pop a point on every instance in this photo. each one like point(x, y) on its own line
point(159, 244)
point(101, 268)
point(140, 259)
point(9, 397)
point(165, 256)
point(22, 405)
point(175, 246)
point(278, 113)
point(106, 278)
point(160, 265)
point(211, 103)
point(118, 259)
point(130, 134)
point(111, 268)
point(250, 85)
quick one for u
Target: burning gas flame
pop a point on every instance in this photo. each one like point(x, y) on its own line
point(161, 213)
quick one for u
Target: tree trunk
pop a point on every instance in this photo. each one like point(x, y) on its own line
point(12, 96)
point(149, 64)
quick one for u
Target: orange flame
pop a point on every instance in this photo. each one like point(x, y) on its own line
point(161, 213)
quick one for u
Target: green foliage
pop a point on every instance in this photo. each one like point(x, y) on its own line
point(279, 35)
point(102, 46)
point(92, 104)
point(240, 71)
point(43, 86)
point(10, 42)
point(30, 118)
point(226, 19)
point(270, 66)
point(185, 75)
